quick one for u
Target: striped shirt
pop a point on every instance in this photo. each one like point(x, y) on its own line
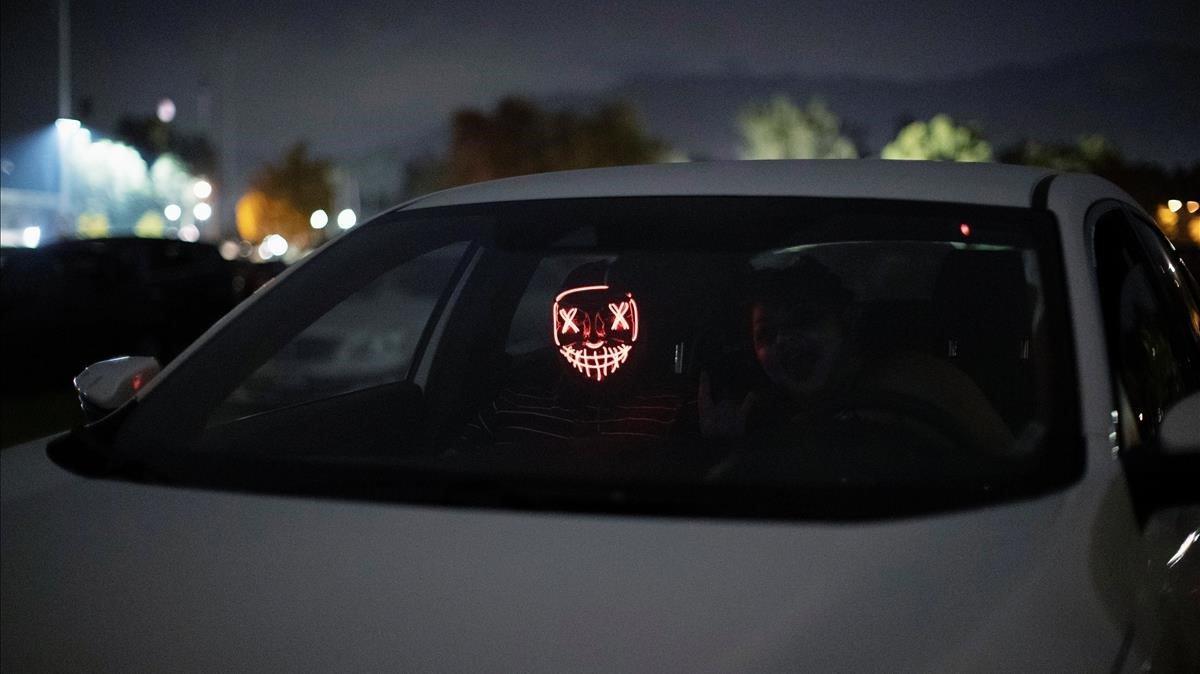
point(529, 416)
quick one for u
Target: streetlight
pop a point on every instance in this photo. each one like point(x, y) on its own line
point(202, 211)
point(346, 218)
point(229, 250)
point(172, 211)
point(202, 189)
point(66, 128)
point(319, 219)
point(31, 236)
point(165, 110)
point(275, 246)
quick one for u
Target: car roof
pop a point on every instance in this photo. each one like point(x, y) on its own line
point(950, 182)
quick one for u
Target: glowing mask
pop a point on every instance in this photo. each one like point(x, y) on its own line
point(594, 329)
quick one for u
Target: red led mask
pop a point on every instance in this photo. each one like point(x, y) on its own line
point(594, 329)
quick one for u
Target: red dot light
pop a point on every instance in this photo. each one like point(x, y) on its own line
point(965, 229)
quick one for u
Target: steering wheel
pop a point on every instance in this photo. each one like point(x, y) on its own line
point(948, 434)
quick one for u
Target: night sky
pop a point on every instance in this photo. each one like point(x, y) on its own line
point(349, 76)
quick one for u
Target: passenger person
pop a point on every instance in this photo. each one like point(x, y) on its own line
point(798, 330)
point(802, 336)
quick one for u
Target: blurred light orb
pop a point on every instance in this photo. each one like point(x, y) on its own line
point(202, 189)
point(202, 211)
point(229, 250)
point(318, 219)
point(31, 236)
point(264, 251)
point(172, 211)
point(276, 245)
point(1174, 205)
point(1193, 206)
point(166, 110)
point(189, 233)
point(346, 218)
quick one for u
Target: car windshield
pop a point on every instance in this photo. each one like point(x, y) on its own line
point(660, 354)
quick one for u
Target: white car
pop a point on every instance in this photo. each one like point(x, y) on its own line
point(791, 416)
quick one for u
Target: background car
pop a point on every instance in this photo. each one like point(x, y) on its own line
point(413, 451)
point(71, 303)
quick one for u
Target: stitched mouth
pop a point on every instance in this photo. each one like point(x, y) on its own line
point(596, 363)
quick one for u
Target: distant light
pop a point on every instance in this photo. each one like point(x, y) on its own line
point(31, 236)
point(276, 245)
point(229, 250)
point(202, 211)
point(1168, 220)
point(67, 126)
point(1193, 206)
point(965, 229)
point(172, 211)
point(264, 251)
point(189, 233)
point(346, 219)
point(202, 189)
point(150, 225)
point(318, 219)
point(166, 110)
point(1174, 205)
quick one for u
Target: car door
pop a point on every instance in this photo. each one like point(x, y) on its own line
point(1151, 323)
point(1152, 327)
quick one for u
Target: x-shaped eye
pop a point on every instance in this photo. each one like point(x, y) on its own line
point(619, 322)
point(568, 320)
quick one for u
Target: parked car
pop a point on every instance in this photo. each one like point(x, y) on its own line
point(71, 303)
point(76, 300)
point(855, 415)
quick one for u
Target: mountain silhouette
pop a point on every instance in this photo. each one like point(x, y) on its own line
point(1145, 98)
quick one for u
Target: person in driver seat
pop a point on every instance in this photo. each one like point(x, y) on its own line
point(588, 388)
point(813, 374)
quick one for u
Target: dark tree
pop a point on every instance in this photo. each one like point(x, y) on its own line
point(299, 179)
point(520, 137)
point(152, 138)
point(1150, 184)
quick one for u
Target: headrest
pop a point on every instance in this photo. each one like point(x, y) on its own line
point(805, 287)
point(979, 289)
point(587, 274)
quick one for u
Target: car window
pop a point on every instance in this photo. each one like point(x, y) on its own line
point(366, 340)
point(797, 346)
point(1148, 325)
point(1178, 285)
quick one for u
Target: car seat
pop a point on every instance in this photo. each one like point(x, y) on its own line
point(984, 326)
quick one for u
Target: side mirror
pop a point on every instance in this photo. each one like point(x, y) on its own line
point(1179, 432)
point(108, 384)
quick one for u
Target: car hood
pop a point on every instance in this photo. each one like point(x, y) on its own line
point(109, 575)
